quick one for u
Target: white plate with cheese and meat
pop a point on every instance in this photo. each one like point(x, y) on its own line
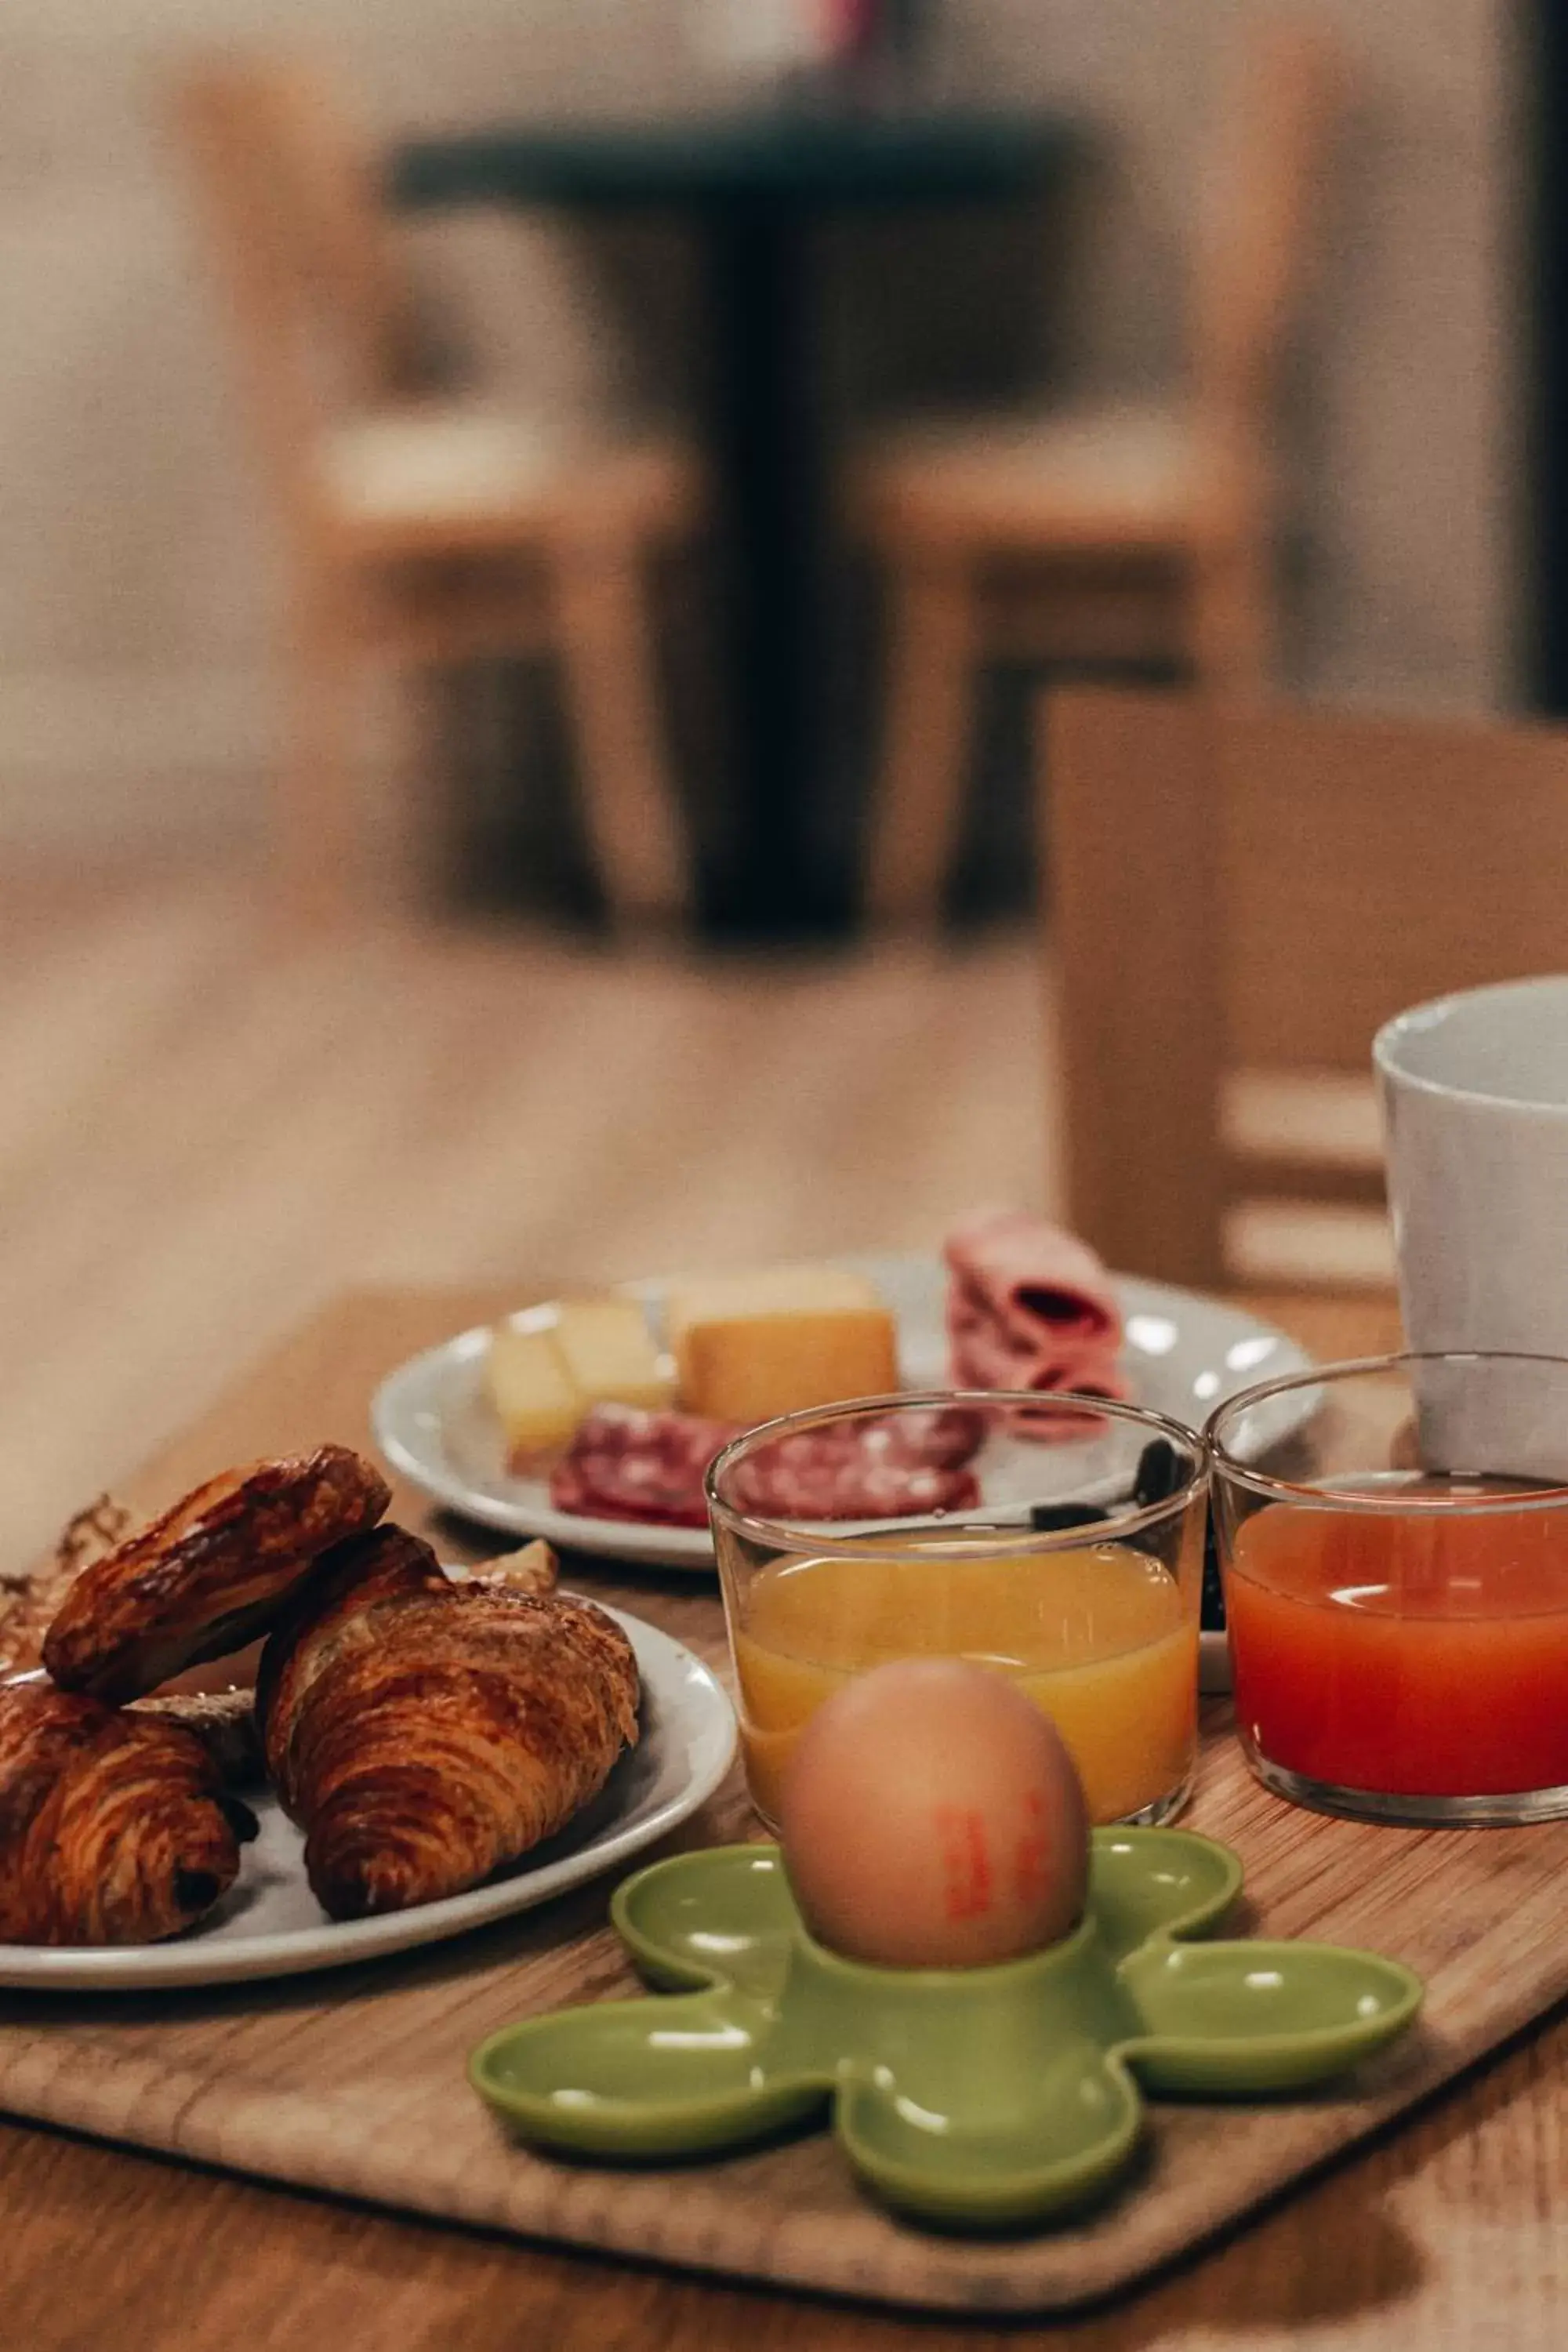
point(435, 1422)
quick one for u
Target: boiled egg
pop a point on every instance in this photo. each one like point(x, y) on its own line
point(931, 1818)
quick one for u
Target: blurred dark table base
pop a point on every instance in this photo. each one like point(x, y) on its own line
point(753, 189)
point(507, 852)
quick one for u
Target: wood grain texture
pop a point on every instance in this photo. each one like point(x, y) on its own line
point(354, 2084)
point(1141, 1059)
point(204, 1135)
point(1285, 880)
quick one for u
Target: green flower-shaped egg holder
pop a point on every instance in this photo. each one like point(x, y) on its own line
point(974, 2099)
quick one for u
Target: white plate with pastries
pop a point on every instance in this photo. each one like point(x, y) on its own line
point(435, 1421)
point(269, 1922)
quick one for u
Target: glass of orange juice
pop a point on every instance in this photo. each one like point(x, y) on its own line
point(1396, 1585)
point(1061, 1547)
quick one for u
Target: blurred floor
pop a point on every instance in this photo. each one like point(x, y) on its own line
point(201, 1137)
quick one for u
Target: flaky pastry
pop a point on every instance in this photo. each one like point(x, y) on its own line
point(210, 1574)
point(425, 1732)
point(113, 1829)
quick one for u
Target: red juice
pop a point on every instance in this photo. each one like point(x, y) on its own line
point(1419, 1653)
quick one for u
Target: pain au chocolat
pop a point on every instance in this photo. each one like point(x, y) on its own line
point(210, 1574)
point(114, 1828)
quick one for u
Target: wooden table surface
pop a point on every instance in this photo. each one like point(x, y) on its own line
point(1451, 2233)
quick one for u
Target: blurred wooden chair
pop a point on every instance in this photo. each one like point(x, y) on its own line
point(420, 529)
point(1255, 888)
point(1106, 534)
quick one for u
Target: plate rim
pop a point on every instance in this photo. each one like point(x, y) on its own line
point(642, 1543)
point(182, 1964)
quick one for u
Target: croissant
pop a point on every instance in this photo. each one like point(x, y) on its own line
point(210, 1574)
point(422, 1733)
point(114, 1829)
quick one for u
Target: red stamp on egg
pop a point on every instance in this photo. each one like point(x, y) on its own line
point(1031, 1857)
point(968, 1887)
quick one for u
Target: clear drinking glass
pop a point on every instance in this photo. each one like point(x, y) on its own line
point(1071, 1562)
point(1393, 1548)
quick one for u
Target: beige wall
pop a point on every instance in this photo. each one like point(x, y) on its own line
point(133, 584)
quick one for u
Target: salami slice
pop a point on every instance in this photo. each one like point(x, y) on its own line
point(627, 1465)
point(899, 1467)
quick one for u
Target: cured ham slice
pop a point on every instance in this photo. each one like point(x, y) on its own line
point(1030, 1307)
point(624, 1464)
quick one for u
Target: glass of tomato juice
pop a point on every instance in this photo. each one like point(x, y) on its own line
point(1394, 1549)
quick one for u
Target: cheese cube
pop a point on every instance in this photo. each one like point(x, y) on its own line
point(749, 1346)
point(608, 1353)
point(754, 1367)
point(535, 1400)
point(772, 1290)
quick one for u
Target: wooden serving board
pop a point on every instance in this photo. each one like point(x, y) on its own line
point(354, 2082)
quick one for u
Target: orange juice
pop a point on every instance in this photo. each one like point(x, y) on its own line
point(1102, 1637)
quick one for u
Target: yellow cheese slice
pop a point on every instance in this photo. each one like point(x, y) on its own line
point(609, 1354)
point(752, 1367)
point(535, 1400)
point(774, 1290)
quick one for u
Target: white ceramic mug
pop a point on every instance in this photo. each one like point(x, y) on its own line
point(1474, 1090)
